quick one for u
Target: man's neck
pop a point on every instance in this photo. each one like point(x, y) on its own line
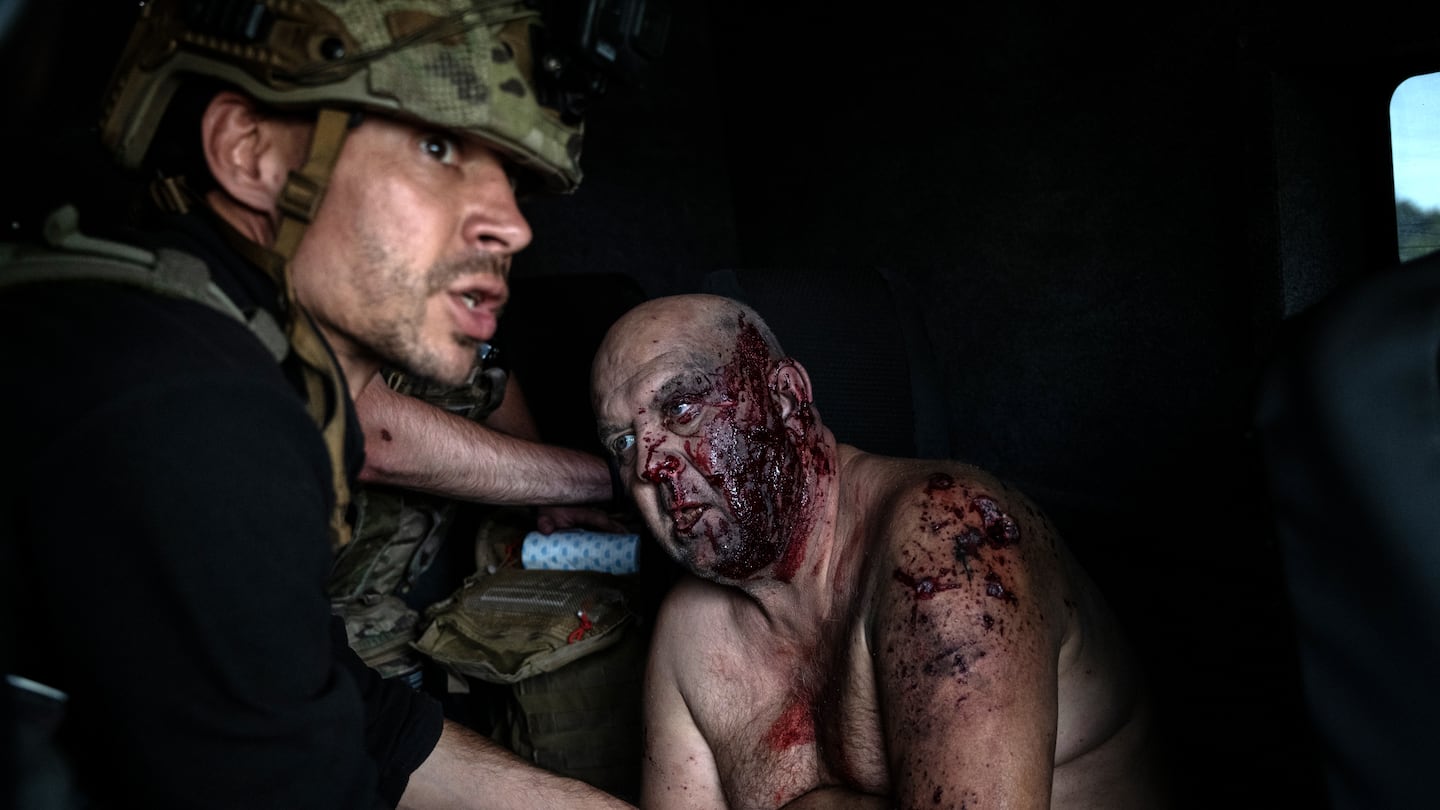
point(259, 227)
point(820, 591)
point(249, 223)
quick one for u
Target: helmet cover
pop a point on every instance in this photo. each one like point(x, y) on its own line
point(460, 65)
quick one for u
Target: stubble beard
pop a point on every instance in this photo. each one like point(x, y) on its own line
point(395, 333)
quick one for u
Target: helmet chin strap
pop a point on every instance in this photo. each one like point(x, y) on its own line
point(324, 382)
point(298, 203)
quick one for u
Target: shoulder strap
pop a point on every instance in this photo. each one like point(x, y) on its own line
point(76, 257)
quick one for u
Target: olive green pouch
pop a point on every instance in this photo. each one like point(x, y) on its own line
point(517, 623)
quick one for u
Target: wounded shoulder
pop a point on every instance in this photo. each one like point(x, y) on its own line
point(959, 535)
point(966, 517)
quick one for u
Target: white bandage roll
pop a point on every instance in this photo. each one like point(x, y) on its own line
point(608, 552)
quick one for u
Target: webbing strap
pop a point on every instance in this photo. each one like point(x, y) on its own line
point(168, 272)
point(324, 382)
point(305, 187)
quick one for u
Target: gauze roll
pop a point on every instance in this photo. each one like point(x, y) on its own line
point(577, 550)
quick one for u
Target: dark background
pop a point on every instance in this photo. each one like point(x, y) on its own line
point(1106, 218)
point(1099, 220)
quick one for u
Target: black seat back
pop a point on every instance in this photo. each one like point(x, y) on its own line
point(861, 336)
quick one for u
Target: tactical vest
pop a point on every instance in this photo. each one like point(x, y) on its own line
point(397, 536)
point(72, 256)
point(552, 661)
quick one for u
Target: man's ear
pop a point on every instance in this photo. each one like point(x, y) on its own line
point(250, 154)
point(790, 389)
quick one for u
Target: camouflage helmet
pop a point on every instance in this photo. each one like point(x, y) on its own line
point(461, 65)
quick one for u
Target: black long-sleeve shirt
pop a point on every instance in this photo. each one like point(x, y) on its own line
point(165, 502)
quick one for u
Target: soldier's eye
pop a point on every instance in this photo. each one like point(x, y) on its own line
point(441, 147)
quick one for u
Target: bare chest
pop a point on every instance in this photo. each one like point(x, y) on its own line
point(781, 724)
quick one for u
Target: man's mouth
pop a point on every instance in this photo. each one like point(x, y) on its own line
point(472, 318)
point(477, 309)
point(686, 517)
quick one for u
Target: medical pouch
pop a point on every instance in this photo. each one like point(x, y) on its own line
point(516, 623)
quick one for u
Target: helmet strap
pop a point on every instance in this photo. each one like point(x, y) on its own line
point(171, 195)
point(305, 187)
point(297, 205)
point(324, 383)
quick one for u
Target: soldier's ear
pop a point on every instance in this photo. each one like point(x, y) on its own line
point(250, 154)
point(790, 389)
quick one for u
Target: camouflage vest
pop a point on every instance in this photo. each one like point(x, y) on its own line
point(397, 535)
point(552, 660)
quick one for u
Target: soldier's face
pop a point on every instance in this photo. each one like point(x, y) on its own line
point(406, 261)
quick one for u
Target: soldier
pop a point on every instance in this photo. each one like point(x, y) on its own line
point(334, 193)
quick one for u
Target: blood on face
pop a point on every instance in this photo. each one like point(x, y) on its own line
point(765, 468)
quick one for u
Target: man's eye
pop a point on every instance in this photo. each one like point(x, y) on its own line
point(620, 445)
point(443, 148)
point(681, 411)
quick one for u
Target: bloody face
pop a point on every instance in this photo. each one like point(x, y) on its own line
point(721, 477)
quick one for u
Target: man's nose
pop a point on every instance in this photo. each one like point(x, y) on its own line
point(493, 221)
point(660, 467)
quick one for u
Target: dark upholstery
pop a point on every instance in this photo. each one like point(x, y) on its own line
point(548, 337)
point(1349, 421)
point(860, 335)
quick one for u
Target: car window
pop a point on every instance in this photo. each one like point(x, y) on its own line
point(1415, 150)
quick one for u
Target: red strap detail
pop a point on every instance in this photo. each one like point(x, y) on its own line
point(579, 632)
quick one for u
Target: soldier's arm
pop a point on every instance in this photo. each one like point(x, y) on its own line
point(412, 444)
point(467, 770)
point(513, 417)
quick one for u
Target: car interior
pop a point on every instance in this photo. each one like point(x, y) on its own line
point(1062, 242)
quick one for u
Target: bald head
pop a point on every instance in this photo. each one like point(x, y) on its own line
point(697, 331)
point(712, 430)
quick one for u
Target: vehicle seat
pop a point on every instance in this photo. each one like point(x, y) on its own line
point(1349, 424)
point(552, 326)
point(861, 335)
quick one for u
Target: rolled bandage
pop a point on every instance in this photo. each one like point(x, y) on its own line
point(576, 550)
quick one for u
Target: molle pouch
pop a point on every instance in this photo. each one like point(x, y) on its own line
point(396, 538)
point(583, 720)
point(516, 623)
point(381, 630)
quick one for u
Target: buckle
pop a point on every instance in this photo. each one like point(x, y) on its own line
point(300, 198)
